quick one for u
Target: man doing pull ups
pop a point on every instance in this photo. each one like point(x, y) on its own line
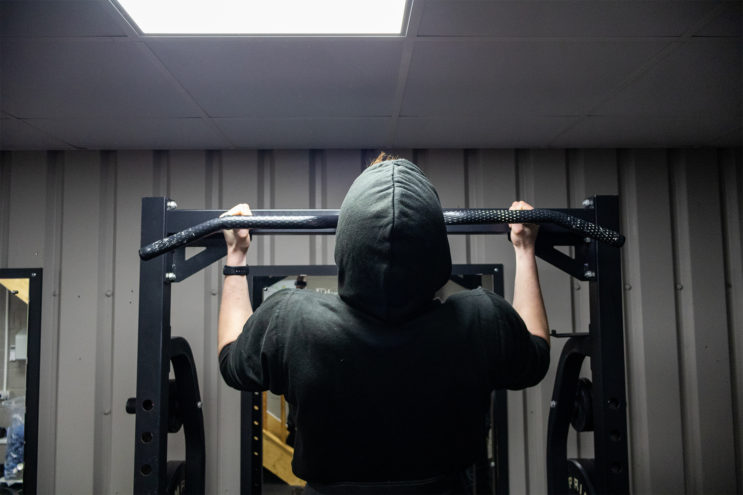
point(388, 385)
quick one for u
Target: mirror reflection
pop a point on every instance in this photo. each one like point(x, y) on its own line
point(14, 303)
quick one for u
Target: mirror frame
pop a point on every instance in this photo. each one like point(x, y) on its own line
point(31, 425)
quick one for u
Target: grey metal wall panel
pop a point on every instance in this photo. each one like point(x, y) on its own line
point(186, 179)
point(446, 169)
point(54, 193)
point(211, 378)
point(134, 179)
point(33, 222)
point(290, 188)
point(26, 246)
point(543, 182)
point(339, 169)
point(492, 183)
point(675, 439)
point(104, 349)
point(240, 184)
point(709, 454)
point(653, 389)
point(78, 322)
point(731, 168)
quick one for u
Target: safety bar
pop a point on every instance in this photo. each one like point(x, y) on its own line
point(453, 216)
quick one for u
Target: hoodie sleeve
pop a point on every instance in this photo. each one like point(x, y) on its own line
point(253, 361)
point(517, 359)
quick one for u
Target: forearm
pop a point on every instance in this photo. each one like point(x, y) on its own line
point(527, 294)
point(235, 308)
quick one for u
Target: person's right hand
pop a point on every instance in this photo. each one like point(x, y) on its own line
point(523, 235)
point(238, 240)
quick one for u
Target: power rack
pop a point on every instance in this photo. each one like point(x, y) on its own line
point(599, 404)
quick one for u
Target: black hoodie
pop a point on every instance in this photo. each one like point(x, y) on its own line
point(386, 384)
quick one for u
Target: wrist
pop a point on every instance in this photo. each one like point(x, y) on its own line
point(525, 252)
point(237, 258)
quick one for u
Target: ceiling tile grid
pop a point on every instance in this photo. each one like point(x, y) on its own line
point(484, 132)
point(650, 131)
point(285, 77)
point(59, 19)
point(698, 77)
point(518, 77)
point(303, 133)
point(467, 74)
point(17, 134)
point(93, 77)
point(133, 133)
point(562, 19)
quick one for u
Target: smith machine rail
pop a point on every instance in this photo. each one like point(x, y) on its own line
point(162, 406)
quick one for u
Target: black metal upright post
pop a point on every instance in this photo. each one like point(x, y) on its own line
point(607, 358)
point(153, 359)
point(604, 412)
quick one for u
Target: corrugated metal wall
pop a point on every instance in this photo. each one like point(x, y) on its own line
point(77, 215)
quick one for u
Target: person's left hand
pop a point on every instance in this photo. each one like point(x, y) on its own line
point(238, 240)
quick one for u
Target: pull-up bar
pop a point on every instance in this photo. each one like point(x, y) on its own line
point(170, 229)
point(476, 216)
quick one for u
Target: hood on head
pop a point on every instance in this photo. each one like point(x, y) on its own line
point(391, 246)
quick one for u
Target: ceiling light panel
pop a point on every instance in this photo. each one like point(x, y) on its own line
point(266, 17)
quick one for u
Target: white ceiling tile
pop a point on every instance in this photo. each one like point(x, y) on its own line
point(731, 138)
point(702, 77)
point(306, 133)
point(649, 131)
point(73, 18)
point(134, 133)
point(286, 77)
point(560, 19)
point(61, 77)
point(18, 135)
point(494, 131)
point(529, 77)
point(728, 23)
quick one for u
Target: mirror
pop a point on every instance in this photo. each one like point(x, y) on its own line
point(20, 318)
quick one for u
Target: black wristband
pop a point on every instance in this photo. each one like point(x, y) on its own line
point(235, 270)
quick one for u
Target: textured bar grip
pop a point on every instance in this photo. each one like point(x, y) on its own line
point(309, 222)
point(474, 216)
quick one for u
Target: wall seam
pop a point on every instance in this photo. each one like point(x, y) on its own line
point(161, 170)
point(53, 228)
point(671, 158)
point(104, 342)
point(210, 395)
point(620, 161)
point(218, 294)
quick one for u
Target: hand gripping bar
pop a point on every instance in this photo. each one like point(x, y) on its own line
point(471, 216)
